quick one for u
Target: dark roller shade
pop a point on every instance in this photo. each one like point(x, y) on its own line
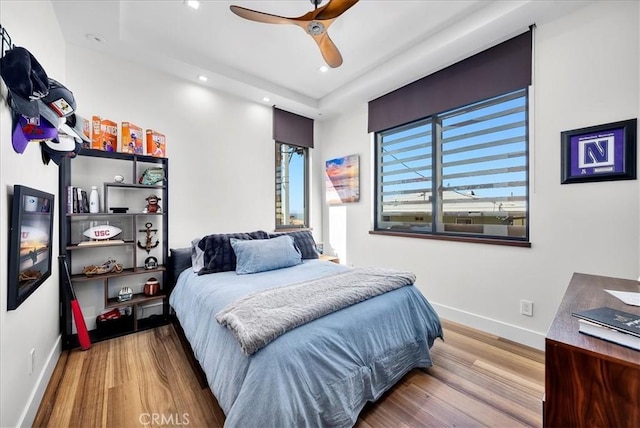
point(290, 128)
point(498, 70)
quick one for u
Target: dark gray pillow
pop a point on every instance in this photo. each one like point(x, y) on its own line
point(303, 240)
point(218, 254)
point(180, 260)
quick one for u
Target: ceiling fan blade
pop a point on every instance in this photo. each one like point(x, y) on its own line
point(329, 50)
point(314, 23)
point(334, 8)
point(253, 15)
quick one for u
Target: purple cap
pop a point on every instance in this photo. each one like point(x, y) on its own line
point(31, 129)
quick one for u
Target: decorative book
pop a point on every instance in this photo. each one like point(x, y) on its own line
point(612, 325)
point(609, 334)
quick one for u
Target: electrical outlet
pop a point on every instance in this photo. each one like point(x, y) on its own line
point(526, 308)
point(32, 355)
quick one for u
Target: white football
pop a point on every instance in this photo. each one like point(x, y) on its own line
point(104, 231)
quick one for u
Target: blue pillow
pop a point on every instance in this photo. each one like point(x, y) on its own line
point(260, 255)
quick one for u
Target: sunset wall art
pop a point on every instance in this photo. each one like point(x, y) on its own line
point(343, 180)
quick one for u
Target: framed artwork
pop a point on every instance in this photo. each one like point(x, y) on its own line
point(342, 177)
point(30, 248)
point(599, 153)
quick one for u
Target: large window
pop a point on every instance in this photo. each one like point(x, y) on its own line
point(291, 186)
point(461, 172)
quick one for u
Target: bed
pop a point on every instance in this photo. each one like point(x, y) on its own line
point(319, 373)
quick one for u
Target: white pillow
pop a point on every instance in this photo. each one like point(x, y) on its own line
point(197, 256)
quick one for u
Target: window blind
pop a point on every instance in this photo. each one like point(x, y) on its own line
point(501, 69)
point(290, 128)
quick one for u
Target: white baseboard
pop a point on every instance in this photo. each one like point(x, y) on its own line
point(511, 332)
point(29, 413)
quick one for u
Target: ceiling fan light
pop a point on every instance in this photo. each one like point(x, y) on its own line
point(323, 69)
point(315, 28)
point(202, 78)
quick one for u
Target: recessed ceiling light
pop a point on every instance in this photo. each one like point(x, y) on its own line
point(202, 78)
point(195, 4)
point(266, 99)
point(94, 37)
point(323, 69)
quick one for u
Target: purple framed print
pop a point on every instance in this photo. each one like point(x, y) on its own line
point(599, 153)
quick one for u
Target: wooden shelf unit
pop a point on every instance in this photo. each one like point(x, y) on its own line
point(134, 219)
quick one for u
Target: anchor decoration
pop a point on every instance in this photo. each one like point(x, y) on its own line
point(148, 245)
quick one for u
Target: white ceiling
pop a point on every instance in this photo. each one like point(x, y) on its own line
point(385, 43)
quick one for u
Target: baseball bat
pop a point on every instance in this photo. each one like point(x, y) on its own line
point(81, 326)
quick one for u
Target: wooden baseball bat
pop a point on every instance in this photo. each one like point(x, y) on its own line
point(81, 326)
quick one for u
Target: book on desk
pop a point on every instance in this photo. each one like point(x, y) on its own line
point(612, 325)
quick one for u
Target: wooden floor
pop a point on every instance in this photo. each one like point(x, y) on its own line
point(145, 379)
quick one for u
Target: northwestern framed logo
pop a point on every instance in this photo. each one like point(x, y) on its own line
point(599, 153)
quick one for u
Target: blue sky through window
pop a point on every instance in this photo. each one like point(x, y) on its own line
point(483, 158)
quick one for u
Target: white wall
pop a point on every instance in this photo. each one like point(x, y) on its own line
point(221, 154)
point(34, 324)
point(586, 73)
point(220, 149)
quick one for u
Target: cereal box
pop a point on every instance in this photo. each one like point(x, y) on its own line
point(155, 144)
point(96, 137)
point(132, 140)
point(86, 130)
point(105, 134)
point(109, 131)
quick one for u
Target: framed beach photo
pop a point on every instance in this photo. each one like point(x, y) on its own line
point(342, 177)
point(30, 243)
point(599, 153)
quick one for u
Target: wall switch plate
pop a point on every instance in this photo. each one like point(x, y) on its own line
point(526, 308)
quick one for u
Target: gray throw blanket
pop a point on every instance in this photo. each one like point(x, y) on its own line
point(261, 317)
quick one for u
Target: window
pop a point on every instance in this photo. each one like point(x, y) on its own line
point(462, 172)
point(291, 186)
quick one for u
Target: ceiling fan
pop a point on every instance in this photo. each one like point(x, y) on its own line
point(315, 23)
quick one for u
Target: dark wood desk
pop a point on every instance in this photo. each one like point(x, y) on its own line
point(590, 382)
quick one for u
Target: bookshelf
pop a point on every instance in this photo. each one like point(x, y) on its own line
point(98, 293)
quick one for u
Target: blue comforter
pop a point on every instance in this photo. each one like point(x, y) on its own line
point(320, 374)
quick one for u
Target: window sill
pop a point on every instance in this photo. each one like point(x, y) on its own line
point(470, 239)
point(291, 229)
